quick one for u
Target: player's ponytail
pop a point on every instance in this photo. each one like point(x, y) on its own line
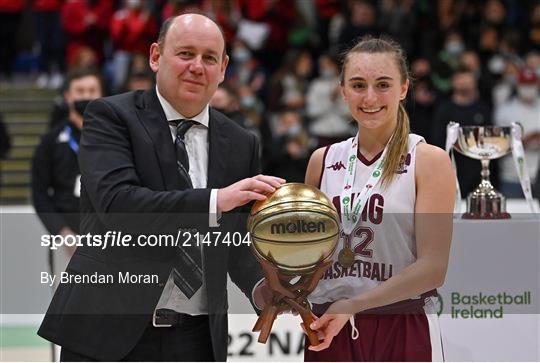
point(398, 146)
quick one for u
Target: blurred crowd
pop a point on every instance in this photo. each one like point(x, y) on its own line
point(472, 62)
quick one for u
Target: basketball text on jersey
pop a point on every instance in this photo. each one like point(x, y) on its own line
point(363, 269)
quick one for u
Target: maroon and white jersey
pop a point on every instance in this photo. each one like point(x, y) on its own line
point(383, 241)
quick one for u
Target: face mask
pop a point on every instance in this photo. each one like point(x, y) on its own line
point(528, 93)
point(455, 48)
point(134, 4)
point(80, 106)
point(465, 92)
point(241, 55)
point(247, 101)
point(328, 73)
point(294, 131)
point(510, 79)
point(496, 65)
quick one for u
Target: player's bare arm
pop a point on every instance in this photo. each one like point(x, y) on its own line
point(435, 193)
point(314, 168)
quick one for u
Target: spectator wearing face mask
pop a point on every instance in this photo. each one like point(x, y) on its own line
point(55, 168)
point(532, 60)
point(486, 81)
point(421, 99)
point(361, 20)
point(447, 62)
point(288, 155)
point(465, 107)
point(524, 107)
point(328, 113)
point(245, 70)
point(288, 86)
point(226, 101)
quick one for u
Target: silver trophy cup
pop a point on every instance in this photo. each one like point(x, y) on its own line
point(484, 143)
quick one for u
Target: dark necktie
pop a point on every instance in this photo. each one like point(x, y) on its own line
point(182, 159)
point(187, 271)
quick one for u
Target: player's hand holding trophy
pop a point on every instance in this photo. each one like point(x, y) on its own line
point(487, 143)
point(294, 233)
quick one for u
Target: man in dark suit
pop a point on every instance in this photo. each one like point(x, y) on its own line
point(137, 179)
point(55, 166)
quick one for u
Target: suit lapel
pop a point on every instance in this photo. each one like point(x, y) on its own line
point(218, 150)
point(218, 153)
point(153, 119)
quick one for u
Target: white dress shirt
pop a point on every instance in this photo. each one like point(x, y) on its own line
point(196, 141)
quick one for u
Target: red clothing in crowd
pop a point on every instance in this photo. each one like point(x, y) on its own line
point(86, 26)
point(227, 14)
point(328, 8)
point(12, 6)
point(224, 12)
point(47, 5)
point(133, 30)
point(279, 15)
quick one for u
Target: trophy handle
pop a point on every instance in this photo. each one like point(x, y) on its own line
point(286, 296)
point(265, 321)
point(307, 319)
point(274, 282)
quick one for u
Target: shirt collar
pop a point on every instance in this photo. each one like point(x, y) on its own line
point(171, 114)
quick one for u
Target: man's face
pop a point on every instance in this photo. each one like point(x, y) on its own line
point(84, 88)
point(221, 100)
point(190, 64)
point(464, 85)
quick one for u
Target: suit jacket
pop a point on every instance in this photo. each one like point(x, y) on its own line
point(130, 183)
point(55, 166)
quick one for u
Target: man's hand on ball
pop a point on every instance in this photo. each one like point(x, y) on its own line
point(246, 190)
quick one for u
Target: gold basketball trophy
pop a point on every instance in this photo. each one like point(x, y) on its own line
point(294, 233)
point(484, 143)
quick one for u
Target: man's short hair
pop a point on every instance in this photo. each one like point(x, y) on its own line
point(165, 29)
point(462, 69)
point(78, 73)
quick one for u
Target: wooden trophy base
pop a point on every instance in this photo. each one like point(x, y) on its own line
point(287, 296)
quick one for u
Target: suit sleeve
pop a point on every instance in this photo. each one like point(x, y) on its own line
point(112, 185)
point(244, 269)
point(5, 142)
point(42, 170)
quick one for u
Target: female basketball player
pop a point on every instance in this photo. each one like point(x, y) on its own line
point(395, 194)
